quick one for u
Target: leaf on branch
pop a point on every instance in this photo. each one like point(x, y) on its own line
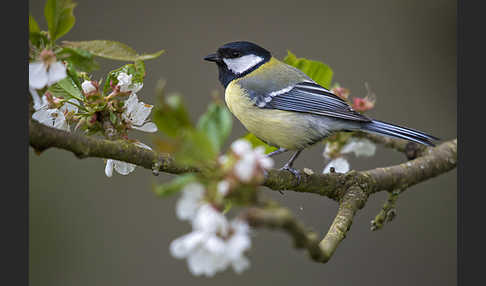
point(255, 142)
point(112, 50)
point(317, 71)
point(171, 116)
point(33, 26)
point(59, 17)
point(216, 123)
point(67, 89)
point(196, 150)
point(80, 59)
point(174, 186)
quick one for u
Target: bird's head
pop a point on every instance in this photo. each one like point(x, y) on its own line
point(237, 59)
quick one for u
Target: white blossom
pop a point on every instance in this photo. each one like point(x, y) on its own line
point(262, 159)
point(214, 244)
point(340, 165)
point(42, 74)
point(241, 147)
point(125, 83)
point(37, 100)
point(136, 113)
point(53, 117)
point(223, 187)
point(88, 86)
point(190, 201)
point(122, 168)
point(245, 167)
point(249, 160)
point(360, 147)
point(208, 219)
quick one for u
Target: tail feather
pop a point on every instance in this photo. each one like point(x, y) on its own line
point(396, 131)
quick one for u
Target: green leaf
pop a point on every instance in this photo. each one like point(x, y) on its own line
point(33, 26)
point(112, 50)
point(39, 39)
point(174, 186)
point(80, 59)
point(59, 17)
point(196, 150)
point(255, 142)
point(71, 71)
point(112, 117)
point(216, 123)
point(171, 116)
point(66, 88)
point(317, 71)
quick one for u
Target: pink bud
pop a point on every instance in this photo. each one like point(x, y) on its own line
point(363, 104)
point(341, 92)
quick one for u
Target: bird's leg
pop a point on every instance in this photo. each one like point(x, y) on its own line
point(288, 165)
point(276, 152)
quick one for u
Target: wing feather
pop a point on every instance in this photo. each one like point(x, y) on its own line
point(309, 97)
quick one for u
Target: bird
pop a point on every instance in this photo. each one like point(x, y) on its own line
point(285, 108)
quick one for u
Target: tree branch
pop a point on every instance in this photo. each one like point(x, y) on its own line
point(320, 251)
point(435, 161)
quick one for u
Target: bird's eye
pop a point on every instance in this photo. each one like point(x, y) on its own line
point(235, 54)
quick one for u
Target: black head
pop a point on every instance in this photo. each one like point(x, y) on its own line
point(237, 59)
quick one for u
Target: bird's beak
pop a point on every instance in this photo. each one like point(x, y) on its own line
point(213, 58)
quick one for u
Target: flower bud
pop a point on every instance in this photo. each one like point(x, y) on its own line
point(88, 87)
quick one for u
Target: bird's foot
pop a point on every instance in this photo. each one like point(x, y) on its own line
point(295, 172)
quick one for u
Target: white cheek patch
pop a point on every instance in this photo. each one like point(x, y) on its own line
point(242, 64)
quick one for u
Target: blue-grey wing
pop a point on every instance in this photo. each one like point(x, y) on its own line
point(308, 97)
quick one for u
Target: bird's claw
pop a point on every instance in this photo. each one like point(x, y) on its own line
point(295, 172)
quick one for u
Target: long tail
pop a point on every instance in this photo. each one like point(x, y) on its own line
point(383, 128)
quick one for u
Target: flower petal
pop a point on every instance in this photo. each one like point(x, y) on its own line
point(43, 116)
point(124, 80)
point(340, 165)
point(140, 113)
point(37, 75)
point(141, 145)
point(208, 219)
point(237, 244)
point(245, 167)
point(223, 187)
point(68, 107)
point(360, 147)
point(147, 127)
point(190, 201)
point(109, 168)
point(88, 86)
point(35, 98)
point(56, 72)
point(240, 264)
point(52, 118)
point(241, 147)
point(123, 168)
point(60, 122)
point(184, 245)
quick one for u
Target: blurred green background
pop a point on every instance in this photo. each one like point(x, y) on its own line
point(87, 229)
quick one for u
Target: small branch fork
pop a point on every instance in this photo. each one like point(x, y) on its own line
point(350, 190)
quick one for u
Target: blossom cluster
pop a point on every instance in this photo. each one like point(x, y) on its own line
point(86, 106)
point(215, 242)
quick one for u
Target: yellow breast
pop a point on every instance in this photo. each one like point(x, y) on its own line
point(280, 128)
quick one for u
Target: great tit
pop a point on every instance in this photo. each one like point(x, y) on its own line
point(285, 108)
